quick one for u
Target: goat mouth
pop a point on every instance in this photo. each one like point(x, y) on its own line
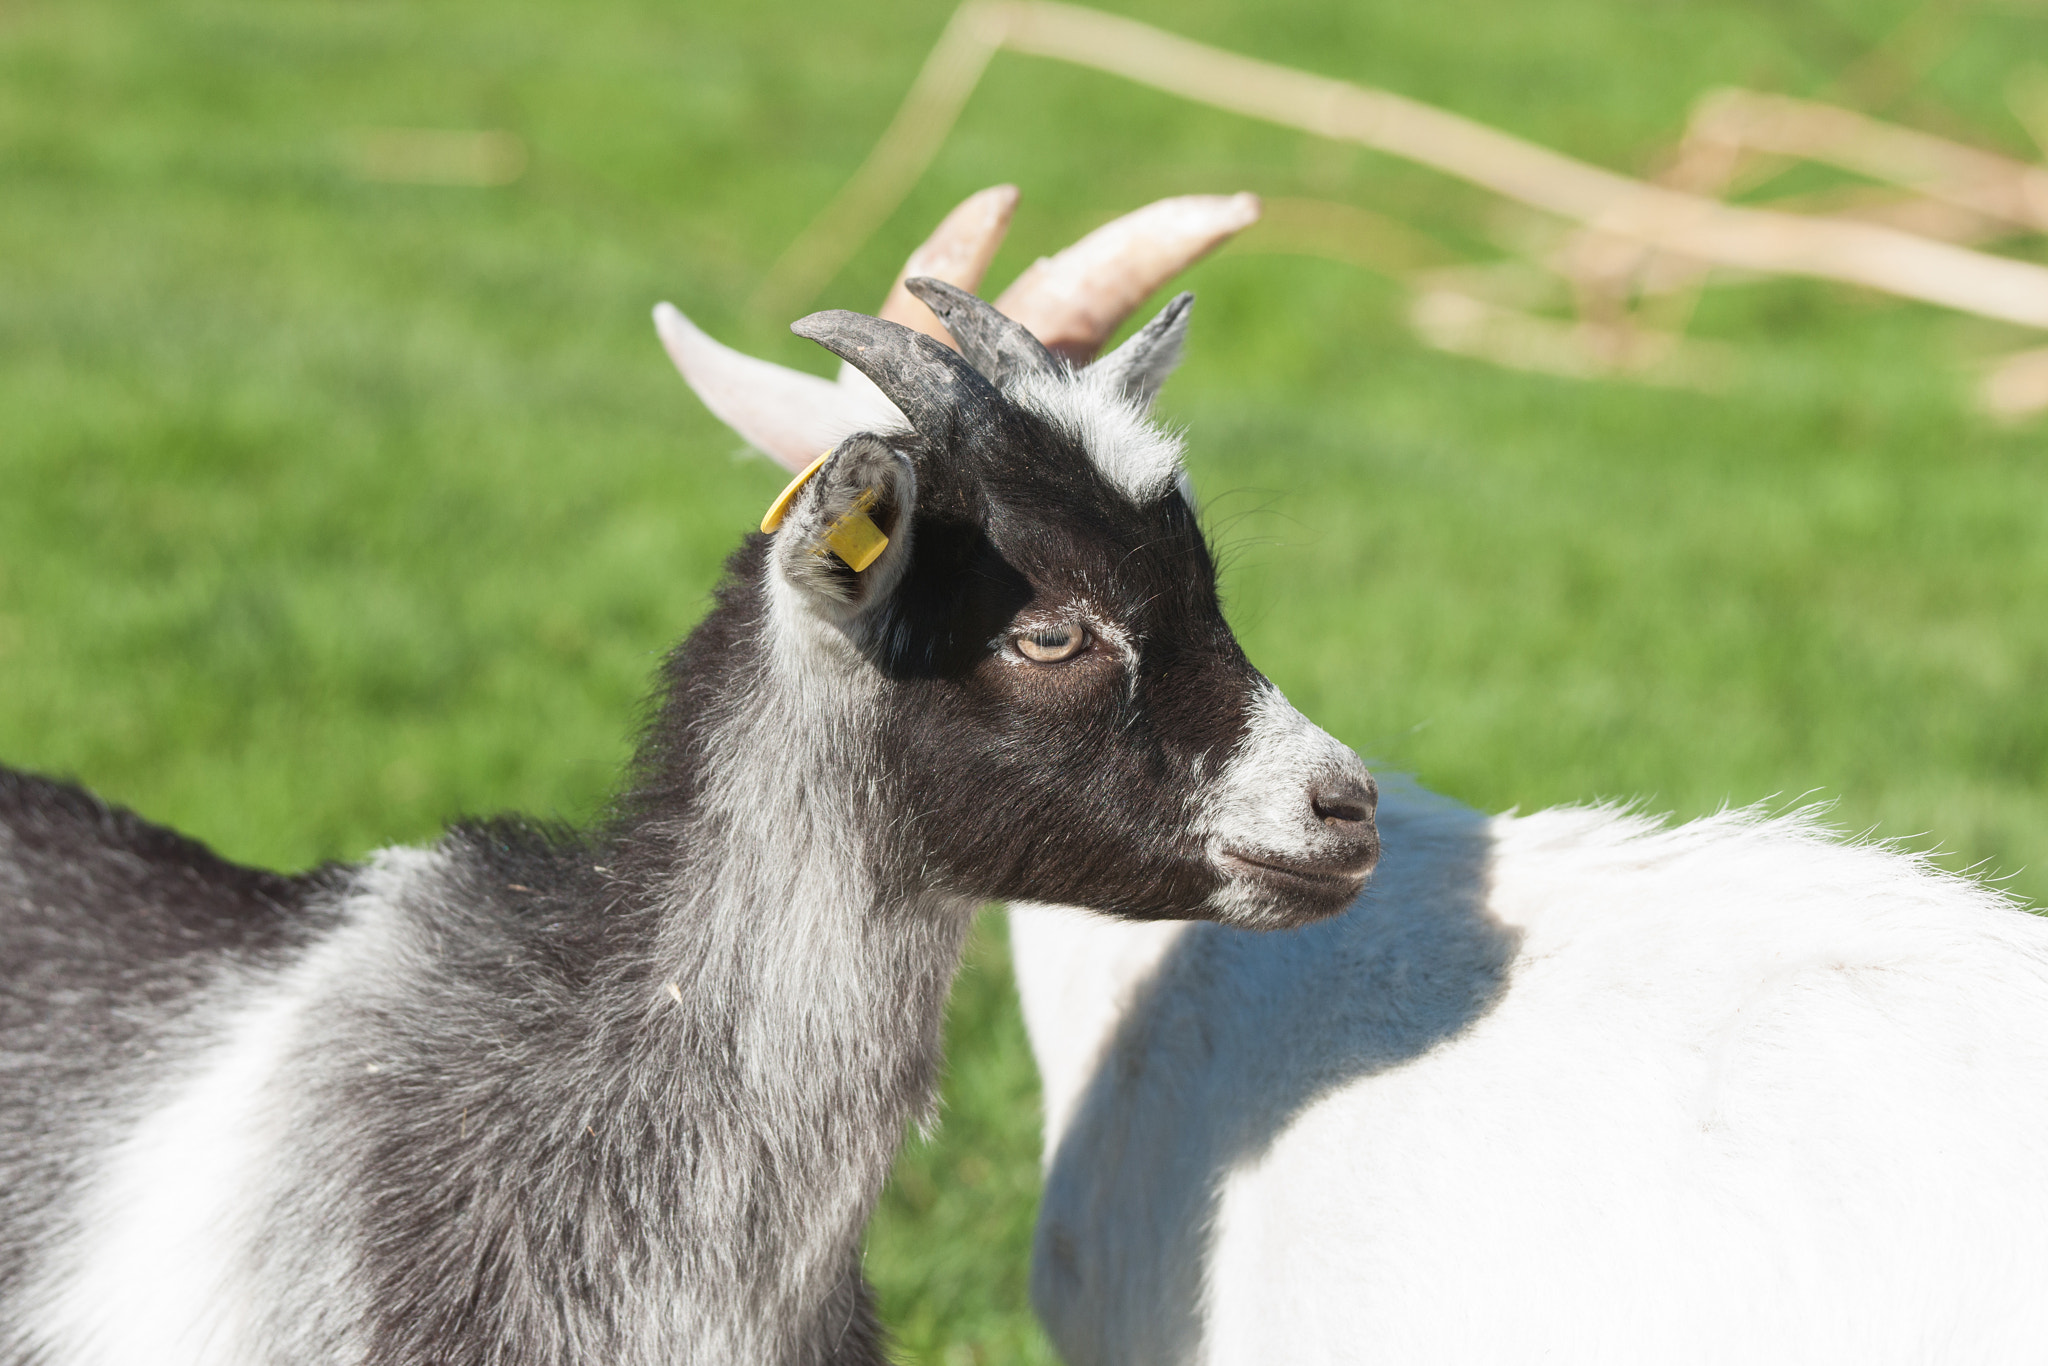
point(1320, 877)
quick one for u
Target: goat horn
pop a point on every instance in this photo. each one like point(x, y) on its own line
point(937, 390)
point(787, 414)
point(1073, 301)
point(790, 416)
point(1000, 348)
point(958, 252)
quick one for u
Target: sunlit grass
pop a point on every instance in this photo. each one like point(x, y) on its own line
point(331, 507)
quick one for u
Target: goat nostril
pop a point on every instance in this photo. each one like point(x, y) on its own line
point(1344, 807)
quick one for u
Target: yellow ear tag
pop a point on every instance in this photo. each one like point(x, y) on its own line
point(780, 506)
point(854, 538)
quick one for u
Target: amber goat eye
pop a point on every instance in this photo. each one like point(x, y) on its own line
point(1052, 644)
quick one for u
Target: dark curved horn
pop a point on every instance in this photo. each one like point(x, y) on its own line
point(940, 393)
point(1000, 347)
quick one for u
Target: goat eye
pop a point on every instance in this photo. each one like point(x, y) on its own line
point(1051, 644)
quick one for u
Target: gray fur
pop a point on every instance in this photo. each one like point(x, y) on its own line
point(533, 1097)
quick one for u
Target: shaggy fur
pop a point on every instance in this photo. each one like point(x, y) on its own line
point(1565, 1087)
point(534, 1097)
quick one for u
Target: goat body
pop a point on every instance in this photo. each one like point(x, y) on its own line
point(1563, 1087)
point(445, 1106)
point(533, 1097)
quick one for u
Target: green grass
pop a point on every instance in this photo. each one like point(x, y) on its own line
point(331, 509)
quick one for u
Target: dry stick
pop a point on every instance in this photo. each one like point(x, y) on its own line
point(1967, 177)
point(912, 139)
point(1750, 239)
point(1344, 232)
point(1864, 254)
point(1962, 190)
point(1468, 325)
point(1454, 308)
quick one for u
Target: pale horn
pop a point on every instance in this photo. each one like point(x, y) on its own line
point(1072, 301)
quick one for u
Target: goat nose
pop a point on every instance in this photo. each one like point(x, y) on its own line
point(1345, 804)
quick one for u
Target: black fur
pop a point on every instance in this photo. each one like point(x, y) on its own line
point(630, 1094)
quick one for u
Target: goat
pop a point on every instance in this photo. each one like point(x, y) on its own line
point(1571, 1086)
point(530, 1097)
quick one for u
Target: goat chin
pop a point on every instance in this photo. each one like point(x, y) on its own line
point(1566, 1087)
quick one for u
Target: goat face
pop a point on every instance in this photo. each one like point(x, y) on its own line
point(1061, 712)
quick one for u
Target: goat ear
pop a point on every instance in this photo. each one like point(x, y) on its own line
point(842, 532)
point(1138, 368)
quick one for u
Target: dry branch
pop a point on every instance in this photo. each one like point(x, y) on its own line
point(1468, 325)
point(1667, 220)
point(1966, 177)
point(907, 146)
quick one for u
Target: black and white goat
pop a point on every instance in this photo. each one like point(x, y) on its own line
point(628, 1095)
point(1569, 1087)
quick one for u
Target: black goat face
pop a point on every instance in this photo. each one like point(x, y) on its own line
point(1061, 712)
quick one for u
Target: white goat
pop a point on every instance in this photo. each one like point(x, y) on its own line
point(1569, 1087)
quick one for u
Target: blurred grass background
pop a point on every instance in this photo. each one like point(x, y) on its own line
point(330, 509)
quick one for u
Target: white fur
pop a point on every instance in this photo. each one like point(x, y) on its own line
point(1259, 803)
point(1568, 1087)
point(165, 1270)
point(1132, 453)
point(1078, 984)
